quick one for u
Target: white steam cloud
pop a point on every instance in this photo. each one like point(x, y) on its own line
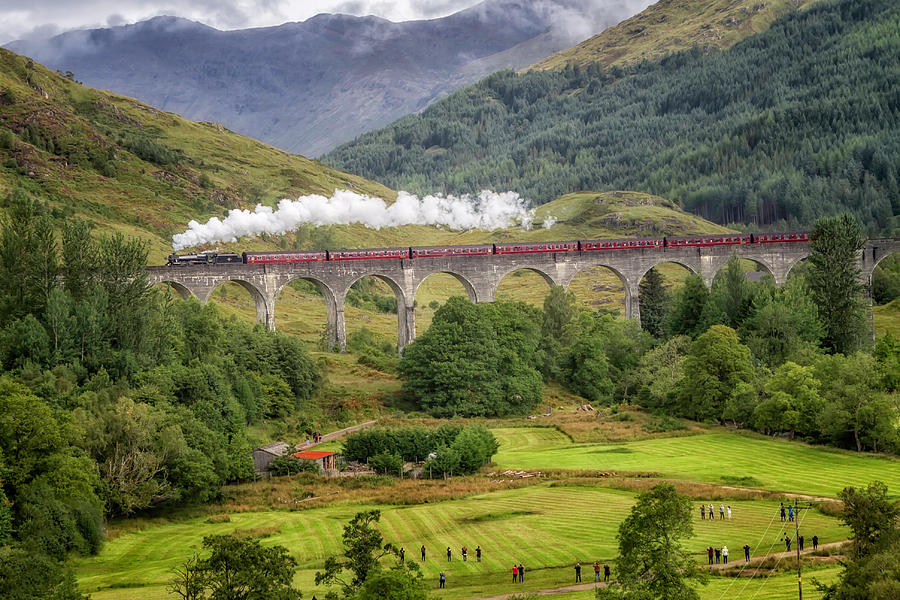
point(490, 210)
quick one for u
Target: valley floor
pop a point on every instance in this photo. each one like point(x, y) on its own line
point(548, 503)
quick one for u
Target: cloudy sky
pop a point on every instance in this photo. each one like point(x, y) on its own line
point(42, 18)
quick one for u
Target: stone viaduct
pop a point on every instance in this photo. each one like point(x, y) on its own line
point(480, 275)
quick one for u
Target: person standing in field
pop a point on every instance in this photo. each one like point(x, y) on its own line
point(606, 573)
point(721, 512)
point(746, 552)
point(709, 554)
point(596, 570)
point(465, 554)
point(800, 542)
point(718, 554)
point(712, 514)
point(790, 513)
point(725, 555)
point(521, 573)
point(478, 553)
point(423, 552)
point(449, 554)
point(402, 555)
point(443, 579)
point(729, 512)
point(787, 542)
point(577, 572)
point(815, 542)
point(702, 512)
point(782, 511)
point(515, 572)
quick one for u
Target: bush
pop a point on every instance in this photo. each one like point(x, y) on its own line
point(150, 151)
point(7, 139)
point(288, 465)
point(386, 464)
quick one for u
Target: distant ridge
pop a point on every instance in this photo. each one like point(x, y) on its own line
point(305, 87)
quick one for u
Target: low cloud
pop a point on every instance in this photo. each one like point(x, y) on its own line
point(489, 210)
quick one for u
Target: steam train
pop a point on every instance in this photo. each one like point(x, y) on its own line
point(305, 256)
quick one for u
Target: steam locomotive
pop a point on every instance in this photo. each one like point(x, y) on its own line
point(414, 252)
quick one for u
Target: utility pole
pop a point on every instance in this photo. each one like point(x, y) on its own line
point(797, 508)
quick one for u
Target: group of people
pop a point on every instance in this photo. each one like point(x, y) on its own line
point(606, 572)
point(790, 513)
point(721, 554)
point(800, 542)
point(464, 552)
point(723, 510)
point(316, 438)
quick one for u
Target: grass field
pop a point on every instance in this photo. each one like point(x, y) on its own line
point(773, 464)
point(546, 528)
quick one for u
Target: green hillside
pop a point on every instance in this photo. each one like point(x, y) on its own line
point(127, 166)
point(788, 125)
point(672, 26)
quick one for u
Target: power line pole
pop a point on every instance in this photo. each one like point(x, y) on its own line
point(797, 508)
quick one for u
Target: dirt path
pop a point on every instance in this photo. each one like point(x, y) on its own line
point(577, 587)
point(581, 587)
point(340, 433)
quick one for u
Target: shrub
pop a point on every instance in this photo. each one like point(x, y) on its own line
point(386, 464)
point(288, 465)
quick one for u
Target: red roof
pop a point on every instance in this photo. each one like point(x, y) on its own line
point(313, 454)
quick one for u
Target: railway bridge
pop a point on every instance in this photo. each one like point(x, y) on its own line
point(480, 275)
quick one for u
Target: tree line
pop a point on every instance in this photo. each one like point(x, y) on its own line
point(114, 398)
point(787, 126)
point(794, 360)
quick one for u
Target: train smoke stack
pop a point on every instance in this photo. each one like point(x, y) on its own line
point(489, 210)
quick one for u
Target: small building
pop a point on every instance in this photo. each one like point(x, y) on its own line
point(264, 455)
point(326, 460)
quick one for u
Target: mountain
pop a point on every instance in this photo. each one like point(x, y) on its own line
point(305, 87)
point(129, 167)
point(796, 122)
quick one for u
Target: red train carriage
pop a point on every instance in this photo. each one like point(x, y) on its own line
point(766, 238)
point(529, 247)
point(591, 245)
point(369, 254)
point(255, 258)
point(428, 251)
point(708, 240)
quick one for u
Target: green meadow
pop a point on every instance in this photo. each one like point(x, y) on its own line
point(546, 527)
point(715, 457)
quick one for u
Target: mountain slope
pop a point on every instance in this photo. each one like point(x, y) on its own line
point(307, 86)
point(672, 26)
point(130, 167)
point(796, 122)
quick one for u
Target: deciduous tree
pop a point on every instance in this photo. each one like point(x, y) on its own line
point(652, 561)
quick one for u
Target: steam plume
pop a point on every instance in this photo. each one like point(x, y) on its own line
point(490, 210)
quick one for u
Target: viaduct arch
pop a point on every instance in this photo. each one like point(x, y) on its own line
point(480, 275)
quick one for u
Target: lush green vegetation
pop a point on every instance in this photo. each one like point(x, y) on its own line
point(782, 128)
point(450, 449)
point(115, 399)
point(562, 524)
